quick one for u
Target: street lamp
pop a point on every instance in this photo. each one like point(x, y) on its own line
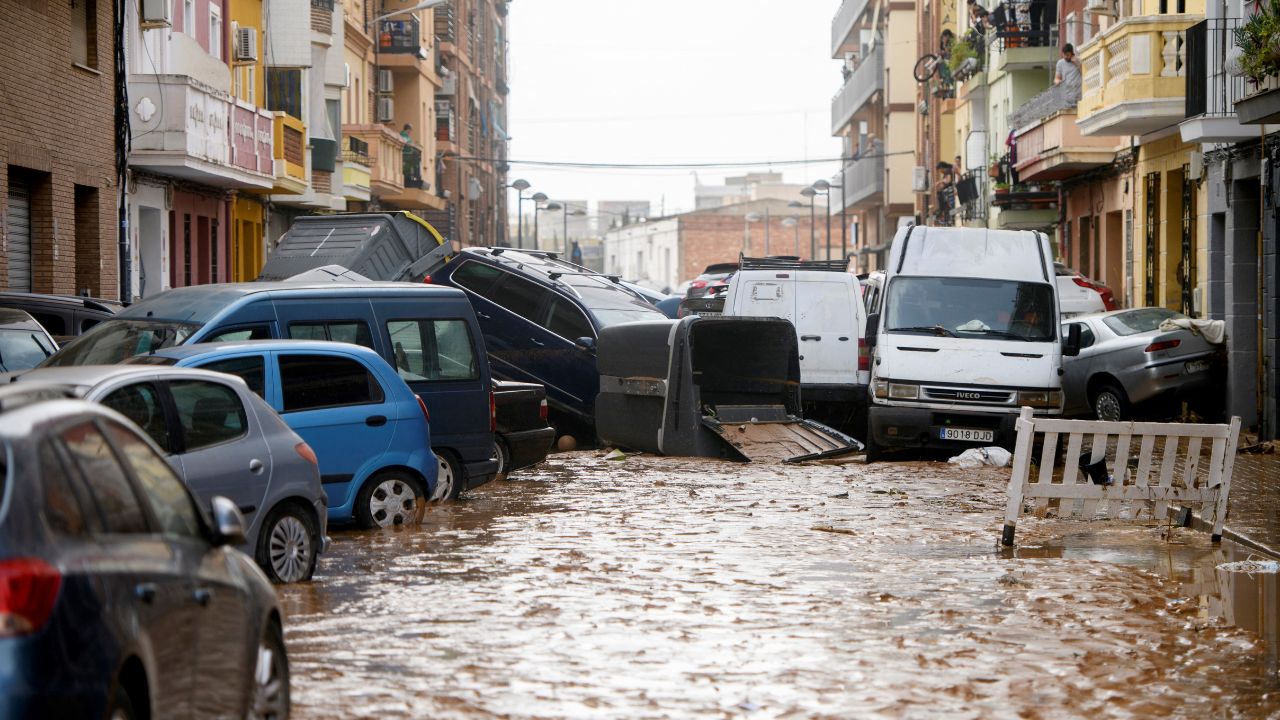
point(844, 223)
point(791, 222)
point(567, 212)
point(809, 192)
point(746, 228)
point(822, 187)
point(520, 186)
point(538, 199)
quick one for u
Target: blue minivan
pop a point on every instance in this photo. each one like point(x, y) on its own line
point(428, 334)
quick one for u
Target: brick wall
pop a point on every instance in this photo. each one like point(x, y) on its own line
point(56, 128)
point(709, 239)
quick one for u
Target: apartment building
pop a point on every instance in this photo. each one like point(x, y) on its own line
point(58, 178)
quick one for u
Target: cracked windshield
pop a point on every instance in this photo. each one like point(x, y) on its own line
point(574, 359)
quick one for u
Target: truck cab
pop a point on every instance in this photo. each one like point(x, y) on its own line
point(966, 335)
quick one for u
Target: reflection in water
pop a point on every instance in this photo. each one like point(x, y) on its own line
point(661, 587)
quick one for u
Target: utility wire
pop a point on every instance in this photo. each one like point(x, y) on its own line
point(664, 166)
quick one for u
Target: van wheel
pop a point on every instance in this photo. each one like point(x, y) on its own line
point(449, 480)
point(1109, 403)
point(389, 498)
point(288, 544)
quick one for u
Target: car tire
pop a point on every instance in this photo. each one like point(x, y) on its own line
point(390, 498)
point(1109, 402)
point(873, 451)
point(121, 705)
point(270, 700)
point(288, 545)
point(503, 453)
point(449, 480)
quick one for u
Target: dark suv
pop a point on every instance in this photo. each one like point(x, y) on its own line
point(540, 316)
point(63, 316)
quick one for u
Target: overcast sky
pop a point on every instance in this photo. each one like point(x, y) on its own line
point(668, 81)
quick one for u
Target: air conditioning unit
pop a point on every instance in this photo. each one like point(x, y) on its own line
point(386, 109)
point(246, 49)
point(919, 179)
point(156, 13)
point(386, 82)
point(1101, 7)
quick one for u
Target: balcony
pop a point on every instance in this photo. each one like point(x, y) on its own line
point(843, 38)
point(1220, 106)
point(863, 181)
point(1019, 44)
point(386, 158)
point(400, 37)
point(185, 129)
point(1050, 145)
point(866, 81)
point(355, 169)
point(1135, 76)
point(290, 155)
point(417, 193)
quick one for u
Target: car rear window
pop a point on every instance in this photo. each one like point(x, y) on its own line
point(251, 369)
point(1141, 320)
point(311, 382)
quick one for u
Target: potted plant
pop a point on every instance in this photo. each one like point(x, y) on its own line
point(963, 61)
point(1259, 41)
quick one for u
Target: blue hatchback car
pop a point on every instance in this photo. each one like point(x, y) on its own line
point(369, 431)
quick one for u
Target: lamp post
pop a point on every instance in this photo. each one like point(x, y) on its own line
point(566, 213)
point(809, 192)
point(520, 186)
point(538, 199)
point(821, 188)
point(844, 225)
point(746, 231)
point(795, 226)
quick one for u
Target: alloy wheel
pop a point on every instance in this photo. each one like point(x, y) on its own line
point(270, 683)
point(393, 502)
point(290, 549)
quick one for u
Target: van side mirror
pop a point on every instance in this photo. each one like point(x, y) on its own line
point(1071, 343)
point(586, 345)
point(873, 329)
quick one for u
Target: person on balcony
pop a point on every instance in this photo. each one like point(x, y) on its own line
point(1068, 68)
point(411, 156)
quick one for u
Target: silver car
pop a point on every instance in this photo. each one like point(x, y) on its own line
point(223, 440)
point(1126, 359)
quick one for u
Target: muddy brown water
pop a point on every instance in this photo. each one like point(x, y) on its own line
point(663, 587)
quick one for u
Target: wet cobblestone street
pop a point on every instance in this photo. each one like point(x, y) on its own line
point(664, 587)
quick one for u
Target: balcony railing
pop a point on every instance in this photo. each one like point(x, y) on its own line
point(1211, 91)
point(1055, 99)
point(858, 89)
point(842, 25)
point(400, 36)
point(411, 158)
point(863, 178)
point(1135, 76)
point(322, 5)
point(356, 151)
point(1016, 27)
point(386, 157)
point(290, 147)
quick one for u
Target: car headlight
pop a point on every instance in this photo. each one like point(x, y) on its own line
point(1040, 398)
point(898, 391)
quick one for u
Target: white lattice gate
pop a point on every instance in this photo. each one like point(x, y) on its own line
point(1151, 466)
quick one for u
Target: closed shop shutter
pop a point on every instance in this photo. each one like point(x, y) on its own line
point(18, 231)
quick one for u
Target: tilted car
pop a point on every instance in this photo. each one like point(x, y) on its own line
point(1126, 360)
point(121, 598)
point(1078, 295)
point(63, 316)
point(224, 441)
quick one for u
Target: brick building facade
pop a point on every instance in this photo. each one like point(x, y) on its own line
point(57, 157)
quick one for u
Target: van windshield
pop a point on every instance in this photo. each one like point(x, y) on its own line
point(971, 308)
point(112, 341)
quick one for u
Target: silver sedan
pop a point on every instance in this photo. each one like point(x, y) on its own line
point(1126, 359)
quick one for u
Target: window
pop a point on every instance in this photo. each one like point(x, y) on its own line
point(568, 322)
point(355, 332)
point(53, 324)
point(189, 17)
point(433, 350)
point(169, 499)
point(115, 340)
point(141, 403)
point(253, 370)
point(237, 334)
point(308, 382)
point(1139, 321)
point(284, 90)
point(520, 297)
point(84, 33)
point(209, 413)
point(61, 508)
point(476, 277)
point(215, 31)
point(22, 349)
point(113, 496)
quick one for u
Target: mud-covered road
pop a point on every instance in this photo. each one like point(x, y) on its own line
point(661, 587)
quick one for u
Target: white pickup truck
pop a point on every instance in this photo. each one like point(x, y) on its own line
point(967, 333)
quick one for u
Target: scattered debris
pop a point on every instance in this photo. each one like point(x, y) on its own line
point(1253, 567)
point(833, 529)
point(844, 494)
point(615, 454)
point(977, 457)
point(1267, 447)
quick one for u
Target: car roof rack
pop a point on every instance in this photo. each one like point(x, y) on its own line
point(789, 262)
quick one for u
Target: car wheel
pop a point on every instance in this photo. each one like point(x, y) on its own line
point(270, 678)
point(389, 498)
point(287, 545)
point(121, 705)
point(449, 479)
point(873, 451)
point(1109, 403)
point(503, 453)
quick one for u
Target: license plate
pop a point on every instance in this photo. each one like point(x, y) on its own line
point(967, 435)
point(1196, 366)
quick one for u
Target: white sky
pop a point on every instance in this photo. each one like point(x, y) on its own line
point(660, 81)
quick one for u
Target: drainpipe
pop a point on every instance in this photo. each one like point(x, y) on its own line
point(125, 259)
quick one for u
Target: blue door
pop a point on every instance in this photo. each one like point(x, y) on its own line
point(336, 404)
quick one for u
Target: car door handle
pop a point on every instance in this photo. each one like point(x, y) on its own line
point(482, 316)
point(810, 337)
point(146, 592)
point(255, 466)
point(203, 596)
point(536, 342)
point(376, 420)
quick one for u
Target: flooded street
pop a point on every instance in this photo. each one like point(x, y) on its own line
point(664, 587)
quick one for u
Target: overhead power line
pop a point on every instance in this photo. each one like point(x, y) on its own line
point(665, 166)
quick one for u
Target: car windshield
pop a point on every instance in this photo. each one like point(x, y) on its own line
point(614, 306)
point(972, 308)
point(22, 349)
point(1142, 320)
point(114, 340)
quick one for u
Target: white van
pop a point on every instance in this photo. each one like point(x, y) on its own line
point(825, 305)
point(966, 334)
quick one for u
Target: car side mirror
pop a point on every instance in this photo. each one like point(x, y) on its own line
point(228, 523)
point(586, 344)
point(1071, 343)
point(873, 329)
